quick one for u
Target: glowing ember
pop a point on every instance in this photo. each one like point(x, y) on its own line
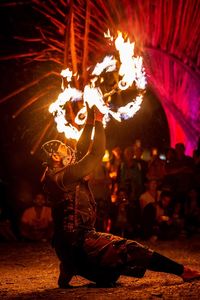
point(130, 72)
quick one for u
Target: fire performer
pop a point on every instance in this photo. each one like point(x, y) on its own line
point(99, 257)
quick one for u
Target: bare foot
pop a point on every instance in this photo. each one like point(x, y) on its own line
point(189, 274)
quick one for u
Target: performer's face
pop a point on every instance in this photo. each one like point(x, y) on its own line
point(56, 158)
point(62, 150)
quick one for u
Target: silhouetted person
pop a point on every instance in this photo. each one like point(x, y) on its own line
point(99, 182)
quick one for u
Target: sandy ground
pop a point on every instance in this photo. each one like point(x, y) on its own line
point(29, 271)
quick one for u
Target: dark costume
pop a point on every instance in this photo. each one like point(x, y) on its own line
point(99, 257)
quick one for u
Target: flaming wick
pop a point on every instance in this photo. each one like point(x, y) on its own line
point(130, 71)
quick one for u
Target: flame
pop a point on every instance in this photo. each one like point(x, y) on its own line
point(130, 71)
point(108, 35)
point(58, 110)
point(106, 156)
point(67, 74)
point(128, 111)
point(131, 67)
point(108, 64)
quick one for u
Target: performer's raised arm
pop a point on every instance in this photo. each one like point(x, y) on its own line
point(85, 139)
point(86, 165)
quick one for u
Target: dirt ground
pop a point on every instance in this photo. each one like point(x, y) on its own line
point(30, 271)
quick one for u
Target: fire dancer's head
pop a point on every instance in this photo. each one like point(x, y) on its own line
point(58, 154)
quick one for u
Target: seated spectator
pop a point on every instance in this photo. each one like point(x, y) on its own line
point(166, 223)
point(36, 221)
point(148, 201)
point(160, 219)
point(151, 195)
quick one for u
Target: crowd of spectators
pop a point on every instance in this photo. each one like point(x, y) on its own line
point(155, 197)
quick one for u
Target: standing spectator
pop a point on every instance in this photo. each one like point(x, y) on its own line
point(156, 166)
point(183, 169)
point(99, 183)
point(119, 215)
point(36, 221)
point(113, 169)
point(169, 179)
point(129, 179)
point(140, 169)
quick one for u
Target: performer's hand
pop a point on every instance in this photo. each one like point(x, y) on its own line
point(98, 115)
